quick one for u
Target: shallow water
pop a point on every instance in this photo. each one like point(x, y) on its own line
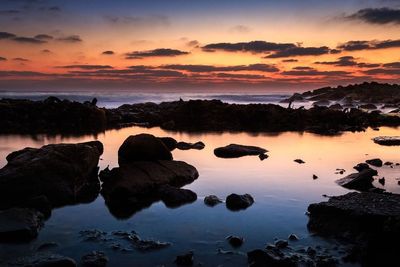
point(282, 189)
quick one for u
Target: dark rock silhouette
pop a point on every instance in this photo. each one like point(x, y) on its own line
point(360, 181)
point(375, 162)
point(235, 241)
point(387, 140)
point(59, 174)
point(94, 259)
point(212, 200)
point(186, 146)
point(361, 166)
point(237, 202)
point(185, 259)
point(236, 151)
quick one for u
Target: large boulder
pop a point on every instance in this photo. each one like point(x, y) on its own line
point(360, 181)
point(143, 147)
point(237, 202)
point(236, 151)
point(63, 173)
point(20, 224)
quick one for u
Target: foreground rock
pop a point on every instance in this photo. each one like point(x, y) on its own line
point(20, 224)
point(236, 151)
point(186, 259)
point(387, 140)
point(143, 147)
point(175, 197)
point(375, 162)
point(237, 202)
point(360, 181)
point(62, 173)
point(212, 200)
point(186, 146)
point(45, 260)
point(369, 220)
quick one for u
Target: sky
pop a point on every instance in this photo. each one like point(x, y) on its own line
point(208, 45)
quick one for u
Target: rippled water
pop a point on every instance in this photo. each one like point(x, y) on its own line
point(282, 189)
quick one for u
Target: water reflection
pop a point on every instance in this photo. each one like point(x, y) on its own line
point(282, 190)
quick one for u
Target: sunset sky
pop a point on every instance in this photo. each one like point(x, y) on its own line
point(197, 45)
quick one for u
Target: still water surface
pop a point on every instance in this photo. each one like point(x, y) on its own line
point(282, 190)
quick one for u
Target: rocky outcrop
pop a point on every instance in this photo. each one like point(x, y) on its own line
point(51, 115)
point(387, 140)
point(371, 221)
point(375, 162)
point(360, 181)
point(20, 224)
point(60, 173)
point(45, 260)
point(236, 151)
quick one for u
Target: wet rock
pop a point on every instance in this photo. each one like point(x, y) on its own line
point(142, 147)
point(187, 146)
point(20, 224)
point(47, 246)
point(46, 260)
point(321, 103)
point(387, 140)
point(336, 106)
point(360, 181)
point(94, 259)
point(235, 241)
point(311, 252)
point(212, 200)
point(382, 180)
point(315, 177)
point(300, 161)
point(388, 163)
point(260, 257)
point(281, 243)
point(169, 142)
point(368, 106)
point(236, 151)
point(238, 202)
point(62, 173)
point(293, 237)
point(361, 166)
point(185, 259)
point(374, 162)
point(354, 213)
point(263, 156)
point(175, 197)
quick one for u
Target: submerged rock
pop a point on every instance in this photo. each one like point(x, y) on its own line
point(387, 140)
point(94, 259)
point(281, 243)
point(360, 181)
point(236, 151)
point(143, 147)
point(185, 259)
point(20, 224)
point(235, 241)
point(63, 173)
point(238, 202)
point(186, 146)
point(45, 260)
point(293, 237)
point(212, 200)
point(375, 162)
point(263, 156)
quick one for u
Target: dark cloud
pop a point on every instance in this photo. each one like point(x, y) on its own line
point(254, 47)
point(70, 39)
point(20, 59)
point(160, 52)
point(46, 51)
point(28, 40)
point(240, 76)
point(383, 71)
point(192, 43)
point(368, 45)
point(314, 72)
point(392, 65)
point(138, 21)
point(368, 65)
point(335, 51)
point(302, 68)
point(108, 52)
point(3, 59)
point(377, 15)
point(348, 61)
point(86, 67)
point(7, 35)
point(43, 37)
point(290, 60)
point(210, 68)
point(300, 51)
point(240, 29)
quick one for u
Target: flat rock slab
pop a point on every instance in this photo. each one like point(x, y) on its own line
point(236, 151)
point(19, 224)
point(387, 140)
point(365, 212)
point(61, 172)
point(360, 181)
